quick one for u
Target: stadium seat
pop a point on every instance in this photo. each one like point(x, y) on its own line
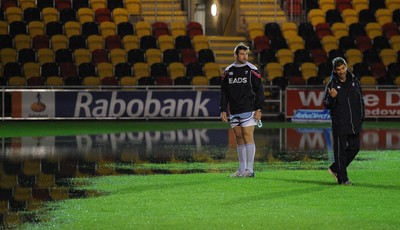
point(45, 55)
point(171, 55)
point(143, 28)
point(188, 56)
point(159, 28)
point(49, 69)
point(98, 4)
point(85, 14)
point(141, 69)
point(176, 69)
point(153, 55)
point(72, 28)
point(77, 42)
point(130, 42)
point(86, 69)
point(205, 56)
point(107, 28)
point(112, 42)
point(49, 14)
point(105, 69)
point(22, 41)
point(194, 29)
point(90, 28)
point(148, 42)
point(67, 15)
point(135, 55)
point(100, 55)
point(27, 55)
point(117, 56)
point(119, 15)
point(59, 41)
point(62, 4)
point(123, 69)
point(31, 14)
point(125, 28)
point(102, 15)
point(178, 28)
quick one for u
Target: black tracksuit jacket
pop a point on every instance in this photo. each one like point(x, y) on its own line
point(241, 89)
point(347, 108)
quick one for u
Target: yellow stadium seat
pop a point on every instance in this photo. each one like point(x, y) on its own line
point(176, 69)
point(141, 69)
point(31, 69)
point(373, 30)
point(23, 4)
point(49, 14)
point(3, 27)
point(388, 56)
point(395, 42)
point(326, 5)
point(392, 5)
point(105, 69)
point(273, 70)
point(368, 81)
point(200, 42)
point(117, 56)
point(316, 16)
point(120, 15)
point(308, 70)
point(45, 55)
point(95, 42)
point(359, 5)
point(72, 28)
point(85, 15)
point(289, 29)
point(13, 14)
point(339, 29)
point(153, 56)
point(22, 41)
point(329, 43)
point(350, 16)
point(36, 28)
point(82, 56)
point(54, 81)
point(284, 56)
point(127, 81)
point(353, 56)
point(59, 41)
point(98, 4)
point(199, 81)
point(133, 7)
point(212, 69)
point(91, 81)
point(142, 28)
point(8, 55)
point(165, 42)
point(255, 29)
point(107, 28)
point(383, 16)
point(17, 81)
point(295, 43)
point(177, 28)
point(130, 42)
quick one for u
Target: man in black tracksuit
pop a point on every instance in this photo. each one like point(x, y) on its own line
point(343, 97)
point(242, 97)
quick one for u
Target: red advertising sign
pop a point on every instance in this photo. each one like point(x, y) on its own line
point(382, 103)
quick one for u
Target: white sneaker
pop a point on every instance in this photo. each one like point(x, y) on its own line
point(238, 173)
point(247, 173)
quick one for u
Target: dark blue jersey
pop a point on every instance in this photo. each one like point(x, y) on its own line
point(241, 89)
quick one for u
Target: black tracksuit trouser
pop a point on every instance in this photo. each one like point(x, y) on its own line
point(345, 150)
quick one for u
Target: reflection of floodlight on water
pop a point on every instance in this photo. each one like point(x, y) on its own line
point(214, 9)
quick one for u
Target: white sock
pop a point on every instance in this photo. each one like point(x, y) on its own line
point(251, 152)
point(241, 150)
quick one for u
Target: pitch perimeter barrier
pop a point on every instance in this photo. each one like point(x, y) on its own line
point(306, 103)
point(142, 102)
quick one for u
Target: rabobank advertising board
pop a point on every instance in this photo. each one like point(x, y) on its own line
point(117, 104)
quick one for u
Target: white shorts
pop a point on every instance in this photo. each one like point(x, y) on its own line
point(242, 119)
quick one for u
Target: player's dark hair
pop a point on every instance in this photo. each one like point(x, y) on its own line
point(240, 46)
point(338, 61)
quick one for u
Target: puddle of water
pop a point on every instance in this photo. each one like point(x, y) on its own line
point(35, 170)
